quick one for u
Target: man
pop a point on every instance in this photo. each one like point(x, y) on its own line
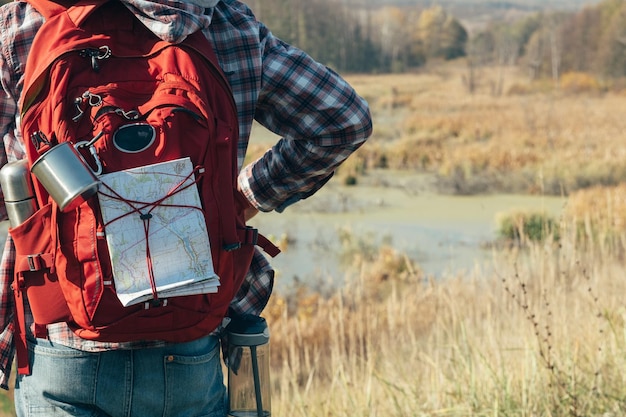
point(321, 120)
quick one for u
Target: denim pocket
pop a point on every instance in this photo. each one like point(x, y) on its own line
point(61, 378)
point(201, 370)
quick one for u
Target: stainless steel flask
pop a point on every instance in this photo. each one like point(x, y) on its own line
point(17, 187)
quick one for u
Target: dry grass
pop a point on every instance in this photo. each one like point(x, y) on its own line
point(540, 336)
point(546, 140)
point(599, 210)
point(540, 332)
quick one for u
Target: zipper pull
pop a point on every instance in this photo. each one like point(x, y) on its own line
point(86, 99)
point(40, 140)
point(96, 54)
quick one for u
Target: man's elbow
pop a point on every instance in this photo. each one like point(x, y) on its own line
point(363, 124)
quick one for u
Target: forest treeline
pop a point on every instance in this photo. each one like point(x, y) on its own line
point(397, 39)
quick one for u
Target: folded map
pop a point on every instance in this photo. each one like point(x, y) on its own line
point(155, 227)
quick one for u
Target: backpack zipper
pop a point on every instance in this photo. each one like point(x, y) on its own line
point(95, 54)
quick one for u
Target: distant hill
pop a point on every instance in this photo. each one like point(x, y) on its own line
point(474, 14)
point(482, 4)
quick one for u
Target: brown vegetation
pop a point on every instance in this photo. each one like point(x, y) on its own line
point(539, 334)
point(536, 138)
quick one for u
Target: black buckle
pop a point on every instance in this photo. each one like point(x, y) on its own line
point(252, 235)
point(34, 262)
point(229, 247)
point(248, 236)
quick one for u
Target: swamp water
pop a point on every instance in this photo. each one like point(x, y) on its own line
point(443, 234)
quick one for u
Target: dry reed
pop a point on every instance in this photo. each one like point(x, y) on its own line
point(543, 335)
point(543, 141)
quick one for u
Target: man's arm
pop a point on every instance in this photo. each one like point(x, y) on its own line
point(320, 118)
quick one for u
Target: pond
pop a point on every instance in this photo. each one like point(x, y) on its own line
point(442, 234)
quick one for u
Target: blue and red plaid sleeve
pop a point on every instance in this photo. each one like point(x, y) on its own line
point(319, 116)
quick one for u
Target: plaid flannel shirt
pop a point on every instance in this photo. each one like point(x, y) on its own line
point(319, 117)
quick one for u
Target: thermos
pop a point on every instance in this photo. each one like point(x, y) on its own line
point(248, 367)
point(17, 186)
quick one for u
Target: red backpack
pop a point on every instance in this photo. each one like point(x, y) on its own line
point(92, 71)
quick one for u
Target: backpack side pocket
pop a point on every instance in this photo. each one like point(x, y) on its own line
point(34, 267)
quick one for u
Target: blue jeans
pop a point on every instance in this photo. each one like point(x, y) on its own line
point(178, 380)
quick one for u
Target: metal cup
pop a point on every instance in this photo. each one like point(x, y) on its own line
point(66, 176)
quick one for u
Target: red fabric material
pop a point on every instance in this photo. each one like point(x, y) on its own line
point(34, 272)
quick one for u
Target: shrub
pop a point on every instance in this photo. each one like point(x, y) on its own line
point(350, 180)
point(521, 226)
point(579, 82)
